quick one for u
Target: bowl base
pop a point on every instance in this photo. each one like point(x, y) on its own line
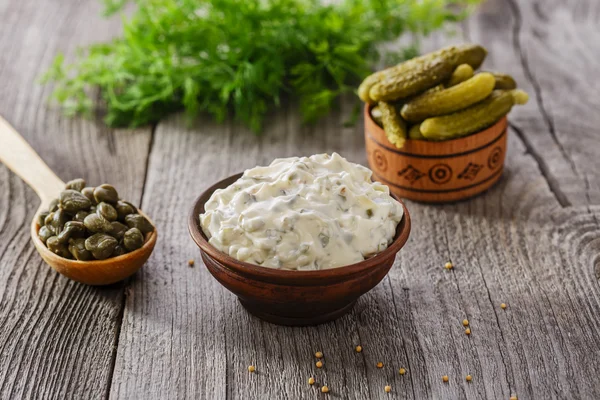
point(258, 311)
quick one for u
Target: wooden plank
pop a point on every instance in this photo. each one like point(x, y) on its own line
point(185, 336)
point(550, 47)
point(57, 337)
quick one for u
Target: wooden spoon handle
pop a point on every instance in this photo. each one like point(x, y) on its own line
point(17, 155)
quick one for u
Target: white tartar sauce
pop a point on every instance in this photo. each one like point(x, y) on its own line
point(308, 213)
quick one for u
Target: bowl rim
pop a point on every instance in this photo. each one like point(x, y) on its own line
point(469, 143)
point(291, 277)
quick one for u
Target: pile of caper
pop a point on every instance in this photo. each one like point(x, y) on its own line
point(92, 223)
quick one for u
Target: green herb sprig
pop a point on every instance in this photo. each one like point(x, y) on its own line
point(238, 56)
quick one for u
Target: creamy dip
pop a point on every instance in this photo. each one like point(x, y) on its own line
point(306, 213)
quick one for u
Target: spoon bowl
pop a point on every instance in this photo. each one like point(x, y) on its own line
point(97, 272)
point(18, 156)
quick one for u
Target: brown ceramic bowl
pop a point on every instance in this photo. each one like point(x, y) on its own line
point(437, 172)
point(293, 297)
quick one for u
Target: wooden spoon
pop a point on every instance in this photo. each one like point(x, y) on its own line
point(16, 153)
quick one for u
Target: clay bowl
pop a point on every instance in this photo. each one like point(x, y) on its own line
point(293, 297)
point(437, 172)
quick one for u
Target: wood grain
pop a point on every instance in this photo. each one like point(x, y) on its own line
point(531, 242)
point(56, 336)
point(550, 47)
point(515, 244)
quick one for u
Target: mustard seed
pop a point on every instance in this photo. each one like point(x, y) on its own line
point(448, 265)
point(318, 354)
point(469, 378)
point(503, 306)
point(465, 322)
point(311, 381)
point(325, 389)
point(251, 368)
point(191, 263)
point(319, 364)
point(358, 349)
point(387, 389)
point(468, 331)
point(445, 378)
point(513, 397)
point(379, 364)
point(402, 371)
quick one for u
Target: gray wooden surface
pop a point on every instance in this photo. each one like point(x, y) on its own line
point(532, 242)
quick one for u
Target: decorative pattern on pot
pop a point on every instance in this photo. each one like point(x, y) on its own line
point(437, 171)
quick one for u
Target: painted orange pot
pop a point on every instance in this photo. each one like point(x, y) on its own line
point(437, 172)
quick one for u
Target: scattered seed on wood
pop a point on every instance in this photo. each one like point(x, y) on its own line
point(503, 306)
point(465, 322)
point(358, 349)
point(513, 397)
point(191, 263)
point(445, 378)
point(469, 378)
point(380, 365)
point(319, 364)
point(448, 265)
point(325, 389)
point(311, 381)
point(251, 368)
point(402, 371)
point(468, 331)
point(318, 354)
point(387, 389)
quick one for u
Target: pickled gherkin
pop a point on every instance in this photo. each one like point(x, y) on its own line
point(461, 74)
point(472, 119)
point(376, 115)
point(415, 133)
point(504, 81)
point(413, 81)
point(449, 100)
point(453, 56)
point(367, 84)
point(394, 127)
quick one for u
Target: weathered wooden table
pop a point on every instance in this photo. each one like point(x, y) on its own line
point(532, 242)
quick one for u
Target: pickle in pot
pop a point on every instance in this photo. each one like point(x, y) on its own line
point(411, 82)
point(472, 119)
point(504, 81)
point(461, 74)
point(393, 125)
point(449, 100)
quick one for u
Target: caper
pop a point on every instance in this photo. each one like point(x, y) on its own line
point(140, 222)
point(96, 223)
point(107, 211)
point(41, 218)
point(89, 193)
point(118, 251)
point(124, 209)
point(58, 248)
point(101, 245)
point(73, 201)
point(78, 250)
point(133, 239)
point(48, 218)
point(75, 184)
point(59, 218)
point(106, 193)
point(44, 233)
point(53, 205)
point(72, 229)
point(118, 230)
point(80, 216)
